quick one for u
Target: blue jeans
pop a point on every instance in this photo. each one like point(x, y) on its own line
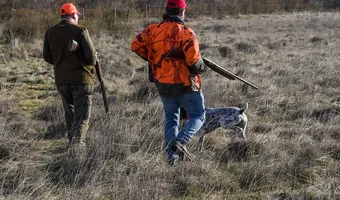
point(193, 104)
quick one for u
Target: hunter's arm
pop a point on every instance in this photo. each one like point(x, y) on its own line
point(88, 47)
point(192, 54)
point(47, 55)
point(198, 68)
point(139, 47)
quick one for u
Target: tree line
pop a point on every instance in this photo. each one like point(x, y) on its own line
point(241, 6)
point(28, 19)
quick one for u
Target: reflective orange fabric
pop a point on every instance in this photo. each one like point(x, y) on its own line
point(154, 45)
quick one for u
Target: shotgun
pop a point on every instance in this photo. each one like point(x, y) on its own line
point(72, 46)
point(177, 53)
point(102, 86)
point(224, 72)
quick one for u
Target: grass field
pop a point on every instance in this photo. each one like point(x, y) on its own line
point(293, 130)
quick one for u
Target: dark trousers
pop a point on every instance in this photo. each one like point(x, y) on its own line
point(77, 101)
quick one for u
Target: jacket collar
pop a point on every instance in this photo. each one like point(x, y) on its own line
point(63, 21)
point(173, 18)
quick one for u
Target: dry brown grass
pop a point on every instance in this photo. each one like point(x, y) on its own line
point(293, 150)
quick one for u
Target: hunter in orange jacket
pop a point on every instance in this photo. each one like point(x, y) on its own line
point(172, 50)
point(175, 63)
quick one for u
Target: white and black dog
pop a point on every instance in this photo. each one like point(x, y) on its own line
point(226, 117)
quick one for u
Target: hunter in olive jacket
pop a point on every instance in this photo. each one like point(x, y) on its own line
point(70, 67)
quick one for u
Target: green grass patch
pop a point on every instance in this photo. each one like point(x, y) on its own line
point(30, 105)
point(52, 146)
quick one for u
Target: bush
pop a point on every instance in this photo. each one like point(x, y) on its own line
point(246, 48)
point(25, 25)
point(226, 51)
point(331, 4)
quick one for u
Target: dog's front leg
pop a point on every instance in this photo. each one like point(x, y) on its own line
point(238, 146)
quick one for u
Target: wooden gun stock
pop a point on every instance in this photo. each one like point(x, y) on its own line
point(102, 86)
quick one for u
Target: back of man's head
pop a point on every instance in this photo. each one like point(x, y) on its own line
point(176, 4)
point(68, 9)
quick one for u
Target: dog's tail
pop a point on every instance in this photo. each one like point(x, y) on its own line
point(244, 109)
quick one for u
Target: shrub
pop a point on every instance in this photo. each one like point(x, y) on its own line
point(331, 4)
point(246, 48)
point(26, 25)
point(226, 51)
point(52, 112)
point(4, 153)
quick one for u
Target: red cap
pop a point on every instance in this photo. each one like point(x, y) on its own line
point(68, 9)
point(176, 4)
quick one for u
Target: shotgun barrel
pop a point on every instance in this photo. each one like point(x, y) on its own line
point(215, 67)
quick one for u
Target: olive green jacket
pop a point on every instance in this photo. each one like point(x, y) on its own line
point(70, 67)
